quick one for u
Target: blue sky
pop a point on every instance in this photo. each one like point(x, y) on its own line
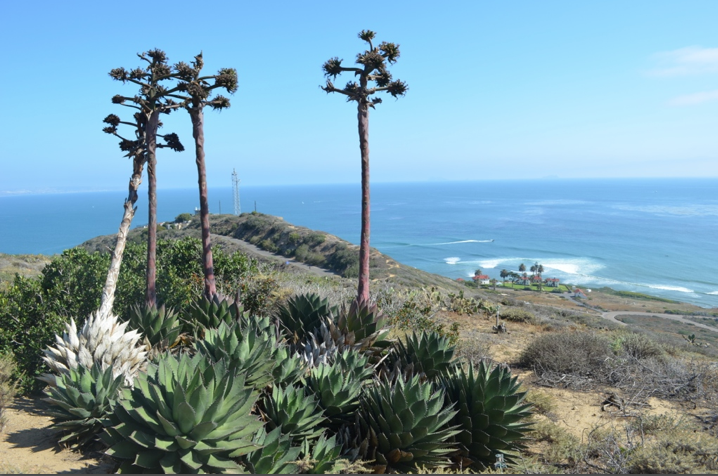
point(497, 90)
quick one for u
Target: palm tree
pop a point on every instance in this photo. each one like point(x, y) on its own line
point(372, 67)
point(539, 269)
point(151, 101)
point(136, 150)
point(196, 91)
point(522, 268)
point(493, 283)
point(504, 274)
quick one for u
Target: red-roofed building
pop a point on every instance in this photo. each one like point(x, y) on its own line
point(552, 282)
point(461, 280)
point(481, 279)
point(523, 280)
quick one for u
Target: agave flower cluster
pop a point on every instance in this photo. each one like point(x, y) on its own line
point(104, 341)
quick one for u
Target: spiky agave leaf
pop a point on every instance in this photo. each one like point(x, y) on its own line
point(81, 399)
point(404, 425)
point(101, 341)
point(319, 347)
point(303, 314)
point(248, 350)
point(290, 367)
point(365, 323)
point(160, 326)
point(339, 385)
point(209, 313)
point(491, 412)
point(322, 455)
point(275, 455)
point(295, 410)
point(428, 353)
point(185, 415)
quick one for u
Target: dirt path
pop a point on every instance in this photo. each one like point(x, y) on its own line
point(27, 445)
point(288, 264)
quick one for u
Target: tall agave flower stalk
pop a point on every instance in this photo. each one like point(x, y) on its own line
point(153, 99)
point(136, 149)
point(101, 341)
point(196, 91)
point(371, 67)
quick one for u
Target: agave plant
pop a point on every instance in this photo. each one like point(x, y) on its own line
point(322, 456)
point(290, 367)
point(81, 399)
point(296, 411)
point(101, 341)
point(251, 353)
point(185, 415)
point(491, 413)
point(303, 314)
point(362, 324)
point(275, 455)
point(339, 385)
point(318, 347)
point(209, 313)
point(428, 354)
point(403, 425)
point(159, 326)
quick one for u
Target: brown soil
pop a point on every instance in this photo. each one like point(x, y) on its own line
point(28, 445)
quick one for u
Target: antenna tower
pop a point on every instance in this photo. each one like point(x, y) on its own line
point(235, 183)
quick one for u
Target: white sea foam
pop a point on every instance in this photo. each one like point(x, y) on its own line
point(463, 241)
point(696, 210)
point(490, 263)
point(452, 260)
point(714, 293)
point(669, 288)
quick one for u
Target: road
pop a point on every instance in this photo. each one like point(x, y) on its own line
point(611, 315)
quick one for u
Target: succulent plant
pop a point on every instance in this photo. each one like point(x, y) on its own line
point(491, 413)
point(361, 323)
point(249, 352)
point(318, 347)
point(81, 399)
point(159, 326)
point(403, 425)
point(276, 454)
point(101, 341)
point(339, 385)
point(295, 410)
point(290, 367)
point(303, 314)
point(209, 313)
point(322, 456)
point(428, 353)
point(185, 415)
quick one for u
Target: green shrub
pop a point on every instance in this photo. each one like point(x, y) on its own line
point(268, 245)
point(8, 388)
point(315, 259)
point(183, 217)
point(315, 239)
point(517, 315)
point(301, 253)
point(294, 237)
point(575, 353)
point(638, 346)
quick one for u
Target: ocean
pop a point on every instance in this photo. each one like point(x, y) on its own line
point(655, 236)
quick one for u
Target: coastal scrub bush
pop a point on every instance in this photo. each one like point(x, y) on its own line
point(580, 355)
point(345, 260)
point(638, 346)
point(517, 315)
point(315, 239)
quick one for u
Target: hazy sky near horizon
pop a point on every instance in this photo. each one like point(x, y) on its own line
point(497, 90)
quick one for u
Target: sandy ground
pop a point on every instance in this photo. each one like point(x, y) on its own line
point(27, 445)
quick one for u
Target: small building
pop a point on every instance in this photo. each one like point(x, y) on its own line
point(481, 279)
point(523, 280)
point(578, 293)
point(535, 279)
point(552, 282)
